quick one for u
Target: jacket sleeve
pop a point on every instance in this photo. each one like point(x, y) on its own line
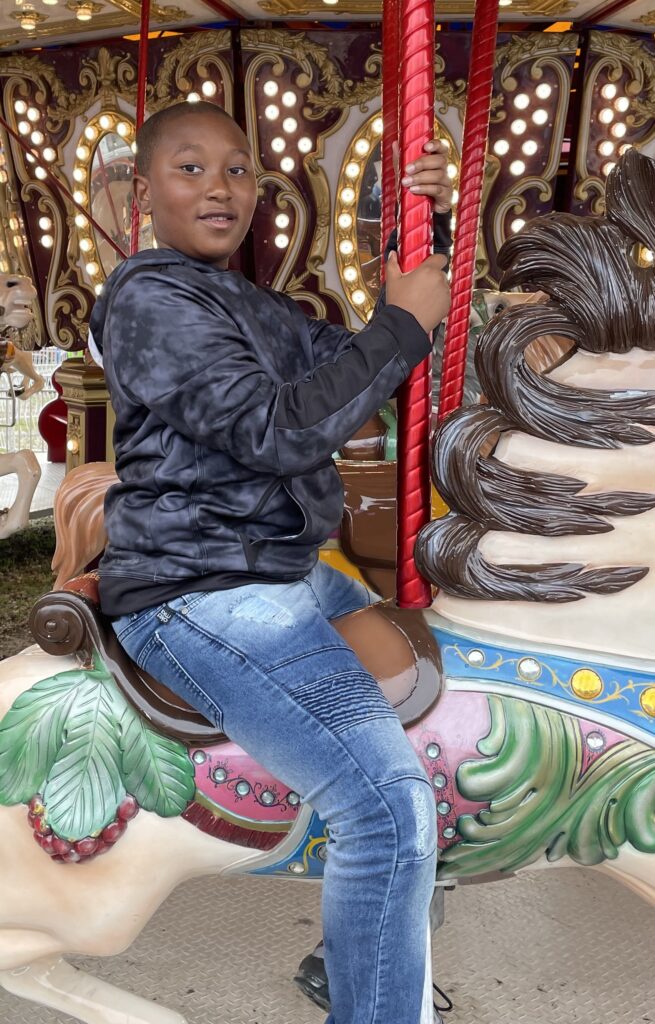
point(181, 356)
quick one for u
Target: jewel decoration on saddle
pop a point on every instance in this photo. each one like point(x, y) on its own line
point(84, 761)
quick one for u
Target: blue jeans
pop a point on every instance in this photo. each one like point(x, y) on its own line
point(265, 665)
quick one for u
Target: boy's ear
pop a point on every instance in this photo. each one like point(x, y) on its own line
point(141, 190)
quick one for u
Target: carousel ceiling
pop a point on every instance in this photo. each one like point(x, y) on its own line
point(25, 24)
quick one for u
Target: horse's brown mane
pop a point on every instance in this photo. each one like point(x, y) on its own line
point(601, 300)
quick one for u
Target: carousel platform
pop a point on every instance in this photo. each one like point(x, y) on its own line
point(560, 947)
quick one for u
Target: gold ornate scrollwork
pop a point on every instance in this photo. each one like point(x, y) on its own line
point(200, 51)
point(360, 286)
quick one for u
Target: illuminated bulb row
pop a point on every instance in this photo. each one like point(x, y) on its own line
point(92, 134)
point(282, 222)
point(45, 224)
point(271, 89)
point(607, 117)
point(207, 89)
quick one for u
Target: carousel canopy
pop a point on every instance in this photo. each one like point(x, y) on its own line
point(28, 23)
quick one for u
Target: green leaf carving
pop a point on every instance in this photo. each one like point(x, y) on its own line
point(74, 739)
point(539, 800)
point(157, 771)
point(84, 786)
point(31, 735)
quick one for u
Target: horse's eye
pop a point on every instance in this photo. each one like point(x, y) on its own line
point(11, 284)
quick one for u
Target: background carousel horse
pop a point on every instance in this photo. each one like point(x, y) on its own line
point(16, 296)
point(528, 690)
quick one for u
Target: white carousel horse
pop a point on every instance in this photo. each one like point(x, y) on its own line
point(540, 743)
point(16, 297)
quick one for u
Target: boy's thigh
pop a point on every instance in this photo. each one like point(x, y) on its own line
point(336, 593)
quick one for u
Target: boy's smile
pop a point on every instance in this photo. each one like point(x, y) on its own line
point(200, 187)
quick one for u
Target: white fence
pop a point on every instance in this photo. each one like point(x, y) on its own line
point(24, 433)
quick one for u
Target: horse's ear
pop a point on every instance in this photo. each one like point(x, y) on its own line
point(630, 197)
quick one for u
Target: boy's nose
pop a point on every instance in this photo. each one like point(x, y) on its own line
point(218, 187)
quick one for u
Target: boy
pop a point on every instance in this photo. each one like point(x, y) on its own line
point(229, 403)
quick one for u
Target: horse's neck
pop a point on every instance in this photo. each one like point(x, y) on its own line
point(619, 624)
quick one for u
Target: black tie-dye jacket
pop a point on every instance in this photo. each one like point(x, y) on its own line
point(229, 403)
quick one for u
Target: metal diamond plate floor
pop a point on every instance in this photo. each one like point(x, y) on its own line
point(563, 946)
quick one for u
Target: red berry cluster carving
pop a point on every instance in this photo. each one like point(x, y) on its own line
point(84, 849)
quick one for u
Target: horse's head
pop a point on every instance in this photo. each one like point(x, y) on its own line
point(17, 293)
point(564, 449)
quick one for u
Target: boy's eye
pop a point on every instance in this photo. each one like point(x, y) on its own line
point(190, 168)
point(238, 171)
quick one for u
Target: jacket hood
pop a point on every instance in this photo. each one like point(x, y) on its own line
point(147, 257)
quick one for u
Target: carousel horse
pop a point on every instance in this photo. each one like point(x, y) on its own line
point(16, 297)
point(527, 690)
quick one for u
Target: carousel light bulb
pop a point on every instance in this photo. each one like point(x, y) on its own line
point(287, 164)
point(347, 195)
point(518, 127)
point(544, 90)
point(278, 144)
point(282, 221)
point(98, 289)
point(13, 223)
point(451, 171)
point(33, 114)
point(522, 101)
point(609, 91)
point(80, 220)
point(619, 130)
point(41, 173)
point(517, 225)
point(79, 196)
point(208, 88)
point(105, 122)
point(271, 88)
point(27, 21)
point(540, 117)
point(90, 132)
point(24, 127)
point(624, 149)
point(352, 170)
point(455, 197)
point(84, 12)
point(331, 3)
point(501, 147)
point(79, 174)
point(362, 146)
point(73, 446)
point(51, 3)
point(82, 152)
point(350, 274)
point(282, 241)
point(272, 112)
point(20, 106)
point(37, 138)
point(305, 144)
point(4, 177)
point(18, 241)
point(45, 223)
point(606, 116)
point(289, 125)
point(529, 147)
point(606, 148)
point(47, 241)
point(92, 269)
point(504, 3)
point(193, 97)
point(358, 297)
point(378, 126)
point(289, 99)
point(123, 129)
point(517, 167)
point(346, 247)
point(30, 158)
point(344, 221)
point(86, 245)
point(608, 167)
point(622, 104)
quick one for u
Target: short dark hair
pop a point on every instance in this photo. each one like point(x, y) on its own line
point(151, 131)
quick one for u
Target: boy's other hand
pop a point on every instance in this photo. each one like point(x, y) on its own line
point(423, 292)
point(428, 176)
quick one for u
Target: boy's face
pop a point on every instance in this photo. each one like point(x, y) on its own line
point(200, 188)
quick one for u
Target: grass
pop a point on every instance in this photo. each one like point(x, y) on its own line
point(25, 574)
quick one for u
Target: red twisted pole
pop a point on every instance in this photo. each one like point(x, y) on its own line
point(141, 85)
point(415, 396)
point(390, 83)
point(474, 149)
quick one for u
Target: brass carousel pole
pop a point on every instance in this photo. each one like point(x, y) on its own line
point(141, 86)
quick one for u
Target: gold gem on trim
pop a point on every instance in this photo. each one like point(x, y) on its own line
point(586, 684)
point(647, 701)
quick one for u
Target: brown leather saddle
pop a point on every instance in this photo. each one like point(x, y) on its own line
point(394, 644)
